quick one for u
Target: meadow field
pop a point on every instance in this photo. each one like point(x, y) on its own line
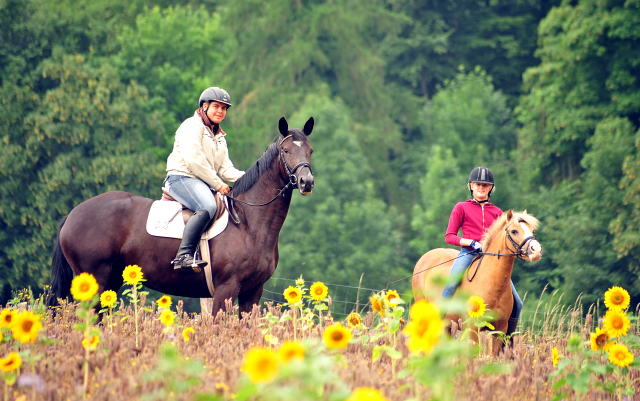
point(296, 350)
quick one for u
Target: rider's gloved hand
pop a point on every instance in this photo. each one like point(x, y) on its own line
point(476, 246)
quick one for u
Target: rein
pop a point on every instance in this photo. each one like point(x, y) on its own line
point(293, 180)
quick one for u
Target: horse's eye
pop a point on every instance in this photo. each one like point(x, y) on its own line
point(285, 150)
point(514, 232)
point(311, 151)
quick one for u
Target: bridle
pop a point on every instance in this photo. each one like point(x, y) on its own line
point(293, 180)
point(519, 252)
point(291, 172)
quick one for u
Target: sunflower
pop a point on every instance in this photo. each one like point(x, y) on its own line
point(555, 357)
point(293, 295)
point(6, 316)
point(477, 306)
point(186, 332)
point(167, 317)
point(617, 298)
point(132, 274)
point(164, 301)
point(319, 291)
point(616, 323)
point(290, 350)
point(620, 355)
point(337, 336)
point(354, 319)
point(377, 305)
point(391, 294)
point(300, 282)
point(600, 340)
point(93, 344)
point(84, 287)
point(366, 394)
point(261, 365)
point(424, 327)
point(25, 326)
point(108, 299)
point(11, 362)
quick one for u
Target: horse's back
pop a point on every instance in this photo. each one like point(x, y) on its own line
point(431, 273)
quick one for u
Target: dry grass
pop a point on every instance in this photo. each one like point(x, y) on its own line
point(117, 367)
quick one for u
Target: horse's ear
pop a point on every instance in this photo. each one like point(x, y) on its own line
point(308, 127)
point(525, 211)
point(283, 126)
point(509, 214)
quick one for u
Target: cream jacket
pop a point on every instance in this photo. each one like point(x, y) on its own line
point(200, 154)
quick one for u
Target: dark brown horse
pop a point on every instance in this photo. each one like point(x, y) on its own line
point(104, 234)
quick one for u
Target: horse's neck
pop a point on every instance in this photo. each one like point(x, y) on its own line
point(502, 266)
point(263, 191)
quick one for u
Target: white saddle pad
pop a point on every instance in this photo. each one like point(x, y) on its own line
point(165, 220)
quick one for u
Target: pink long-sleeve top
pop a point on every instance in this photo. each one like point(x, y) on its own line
point(474, 219)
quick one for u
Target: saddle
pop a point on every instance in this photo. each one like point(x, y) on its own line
point(187, 213)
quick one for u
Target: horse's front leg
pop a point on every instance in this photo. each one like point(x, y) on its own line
point(248, 299)
point(223, 292)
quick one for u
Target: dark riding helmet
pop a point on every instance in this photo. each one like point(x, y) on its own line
point(215, 94)
point(483, 175)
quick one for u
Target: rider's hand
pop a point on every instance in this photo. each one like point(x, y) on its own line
point(476, 246)
point(224, 189)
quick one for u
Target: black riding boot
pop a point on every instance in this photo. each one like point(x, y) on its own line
point(511, 328)
point(192, 232)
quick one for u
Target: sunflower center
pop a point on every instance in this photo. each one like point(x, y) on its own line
point(7, 318)
point(132, 275)
point(264, 365)
point(84, 287)
point(620, 355)
point(337, 336)
point(617, 324)
point(421, 327)
point(617, 299)
point(27, 325)
point(475, 307)
point(601, 340)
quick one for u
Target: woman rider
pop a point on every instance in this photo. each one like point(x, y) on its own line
point(197, 166)
point(475, 216)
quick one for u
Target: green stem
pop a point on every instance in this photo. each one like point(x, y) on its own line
point(87, 331)
point(293, 310)
point(134, 293)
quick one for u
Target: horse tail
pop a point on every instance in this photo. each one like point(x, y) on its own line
point(61, 273)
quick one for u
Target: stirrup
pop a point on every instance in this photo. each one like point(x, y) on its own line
point(188, 261)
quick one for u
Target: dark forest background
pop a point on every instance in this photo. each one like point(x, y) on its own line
point(407, 96)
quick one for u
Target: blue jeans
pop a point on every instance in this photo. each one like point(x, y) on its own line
point(191, 192)
point(455, 276)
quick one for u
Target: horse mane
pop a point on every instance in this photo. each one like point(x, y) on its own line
point(499, 224)
point(258, 168)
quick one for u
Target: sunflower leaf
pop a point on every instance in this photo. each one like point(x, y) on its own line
point(377, 352)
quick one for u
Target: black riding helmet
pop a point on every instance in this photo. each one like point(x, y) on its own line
point(483, 175)
point(215, 94)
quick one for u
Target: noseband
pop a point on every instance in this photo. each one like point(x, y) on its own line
point(293, 180)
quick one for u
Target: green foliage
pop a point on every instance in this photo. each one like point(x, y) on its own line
point(173, 52)
point(76, 141)
point(577, 144)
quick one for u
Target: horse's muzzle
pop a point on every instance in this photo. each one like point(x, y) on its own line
point(305, 183)
point(534, 250)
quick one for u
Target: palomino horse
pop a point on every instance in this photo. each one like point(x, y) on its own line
point(108, 232)
point(510, 236)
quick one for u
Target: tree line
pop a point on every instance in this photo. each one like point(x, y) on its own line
point(408, 97)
